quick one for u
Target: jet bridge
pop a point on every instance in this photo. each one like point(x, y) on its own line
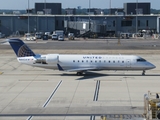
point(91, 29)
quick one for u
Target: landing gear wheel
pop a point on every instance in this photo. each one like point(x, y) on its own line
point(143, 73)
point(79, 73)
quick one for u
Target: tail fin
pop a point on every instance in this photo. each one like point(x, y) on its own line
point(20, 48)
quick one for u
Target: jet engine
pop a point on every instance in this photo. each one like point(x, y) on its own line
point(52, 58)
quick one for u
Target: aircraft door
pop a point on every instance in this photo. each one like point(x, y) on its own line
point(128, 63)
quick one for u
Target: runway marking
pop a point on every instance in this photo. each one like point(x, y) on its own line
point(124, 116)
point(92, 118)
point(96, 96)
point(33, 80)
point(111, 80)
point(33, 70)
point(54, 91)
point(96, 91)
point(49, 99)
point(30, 118)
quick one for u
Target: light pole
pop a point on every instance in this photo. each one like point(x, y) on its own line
point(136, 15)
point(89, 15)
point(28, 16)
point(89, 5)
point(44, 6)
point(110, 7)
point(46, 12)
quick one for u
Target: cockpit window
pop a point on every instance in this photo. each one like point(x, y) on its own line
point(141, 60)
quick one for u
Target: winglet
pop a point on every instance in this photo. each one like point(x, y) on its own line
point(60, 68)
point(20, 48)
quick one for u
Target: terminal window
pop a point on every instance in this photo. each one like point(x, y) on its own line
point(114, 23)
point(139, 23)
point(126, 23)
point(147, 23)
point(63, 23)
point(56, 23)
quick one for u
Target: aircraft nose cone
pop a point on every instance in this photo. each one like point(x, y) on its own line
point(151, 66)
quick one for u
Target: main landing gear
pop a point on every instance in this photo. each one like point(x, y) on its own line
point(79, 73)
point(143, 73)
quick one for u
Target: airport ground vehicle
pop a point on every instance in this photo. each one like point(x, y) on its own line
point(61, 38)
point(54, 37)
point(2, 35)
point(49, 34)
point(56, 34)
point(70, 36)
point(29, 37)
point(124, 35)
point(38, 35)
point(152, 106)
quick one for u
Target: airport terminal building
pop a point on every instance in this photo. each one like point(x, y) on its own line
point(108, 24)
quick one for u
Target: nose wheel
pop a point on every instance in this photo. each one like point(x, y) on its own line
point(79, 73)
point(143, 73)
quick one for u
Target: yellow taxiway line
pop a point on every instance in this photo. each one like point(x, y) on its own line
point(1, 73)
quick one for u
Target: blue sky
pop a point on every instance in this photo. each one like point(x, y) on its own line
point(23, 4)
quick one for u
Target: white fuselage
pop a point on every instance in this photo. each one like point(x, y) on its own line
point(76, 63)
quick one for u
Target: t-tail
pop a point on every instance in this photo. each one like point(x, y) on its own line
point(20, 48)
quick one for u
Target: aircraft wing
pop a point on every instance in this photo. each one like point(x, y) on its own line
point(81, 69)
point(76, 69)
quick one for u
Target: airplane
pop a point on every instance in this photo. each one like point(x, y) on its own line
point(78, 63)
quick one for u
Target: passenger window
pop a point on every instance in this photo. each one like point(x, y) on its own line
point(95, 61)
point(113, 61)
point(82, 60)
point(78, 60)
point(73, 60)
point(122, 61)
point(100, 61)
point(86, 60)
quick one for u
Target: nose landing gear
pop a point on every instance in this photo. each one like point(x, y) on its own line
point(143, 73)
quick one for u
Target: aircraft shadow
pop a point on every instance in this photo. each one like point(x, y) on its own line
point(91, 75)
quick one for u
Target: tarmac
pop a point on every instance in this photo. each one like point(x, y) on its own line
point(40, 94)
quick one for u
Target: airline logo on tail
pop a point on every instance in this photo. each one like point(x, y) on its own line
point(24, 51)
point(21, 49)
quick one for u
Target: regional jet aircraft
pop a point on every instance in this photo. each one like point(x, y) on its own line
point(78, 63)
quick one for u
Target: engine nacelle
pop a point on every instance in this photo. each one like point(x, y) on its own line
point(41, 60)
point(52, 58)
